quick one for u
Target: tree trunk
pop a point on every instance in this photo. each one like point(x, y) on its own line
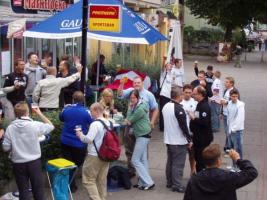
point(228, 33)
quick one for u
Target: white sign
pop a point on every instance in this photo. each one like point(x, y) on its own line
point(6, 65)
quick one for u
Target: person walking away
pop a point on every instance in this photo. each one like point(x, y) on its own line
point(21, 138)
point(238, 53)
point(95, 170)
point(138, 119)
point(214, 183)
point(177, 140)
point(74, 116)
point(215, 102)
point(236, 122)
point(189, 105)
point(200, 125)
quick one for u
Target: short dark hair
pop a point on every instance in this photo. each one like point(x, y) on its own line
point(30, 55)
point(201, 90)
point(17, 61)
point(211, 154)
point(187, 86)
point(175, 92)
point(210, 67)
point(201, 72)
point(78, 97)
point(234, 91)
point(102, 56)
point(135, 93)
point(66, 63)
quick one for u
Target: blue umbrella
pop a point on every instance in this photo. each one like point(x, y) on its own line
point(68, 23)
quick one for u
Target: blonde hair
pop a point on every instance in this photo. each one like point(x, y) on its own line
point(21, 109)
point(97, 107)
point(107, 92)
point(217, 74)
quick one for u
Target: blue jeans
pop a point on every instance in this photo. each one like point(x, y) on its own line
point(236, 142)
point(140, 162)
point(227, 144)
point(215, 116)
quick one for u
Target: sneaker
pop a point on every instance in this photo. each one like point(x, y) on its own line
point(168, 185)
point(147, 187)
point(180, 189)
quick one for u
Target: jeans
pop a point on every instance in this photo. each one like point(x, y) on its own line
point(227, 144)
point(236, 141)
point(215, 116)
point(175, 164)
point(94, 177)
point(140, 162)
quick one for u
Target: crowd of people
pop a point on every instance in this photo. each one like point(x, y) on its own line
point(189, 116)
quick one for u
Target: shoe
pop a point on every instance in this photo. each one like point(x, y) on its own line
point(147, 187)
point(180, 189)
point(136, 186)
point(168, 186)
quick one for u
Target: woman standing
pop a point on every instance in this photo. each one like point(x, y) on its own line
point(138, 118)
point(107, 101)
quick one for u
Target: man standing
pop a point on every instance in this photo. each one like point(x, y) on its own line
point(235, 122)
point(18, 80)
point(74, 116)
point(35, 73)
point(189, 105)
point(200, 125)
point(21, 138)
point(147, 97)
point(208, 78)
point(229, 85)
point(102, 71)
point(177, 139)
point(214, 183)
point(66, 93)
point(95, 170)
point(47, 90)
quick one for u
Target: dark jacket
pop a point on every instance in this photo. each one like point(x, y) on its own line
point(201, 125)
point(18, 94)
point(209, 80)
point(219, 184)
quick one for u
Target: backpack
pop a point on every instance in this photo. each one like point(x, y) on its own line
point(110, 148)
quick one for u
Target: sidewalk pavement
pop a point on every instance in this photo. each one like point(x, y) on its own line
point(251, 80)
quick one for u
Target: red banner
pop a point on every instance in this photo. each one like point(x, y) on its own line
point(45, 4)
point(106, 12)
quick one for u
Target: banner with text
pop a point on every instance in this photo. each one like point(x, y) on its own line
point(105, 18)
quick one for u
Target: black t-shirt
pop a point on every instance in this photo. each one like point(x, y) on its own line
point(18, 94)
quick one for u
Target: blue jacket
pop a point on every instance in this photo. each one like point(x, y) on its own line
point(72, 115)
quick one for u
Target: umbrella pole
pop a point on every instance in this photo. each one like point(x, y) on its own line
point(98, 63)
point(84, 43)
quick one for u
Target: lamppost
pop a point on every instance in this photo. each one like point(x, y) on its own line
point(84, 43)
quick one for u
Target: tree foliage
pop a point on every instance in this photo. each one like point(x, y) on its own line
point(229, 14)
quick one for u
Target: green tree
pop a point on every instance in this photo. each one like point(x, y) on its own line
point(229, 14)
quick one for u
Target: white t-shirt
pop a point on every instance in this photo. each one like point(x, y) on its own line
point(177, 75)
point(217, 90)
point(189, 106)
point(96, 133)
point(173, 134)
point(167, 84)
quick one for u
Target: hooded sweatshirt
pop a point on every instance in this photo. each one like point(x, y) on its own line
point(21, 138)
point(219, 184)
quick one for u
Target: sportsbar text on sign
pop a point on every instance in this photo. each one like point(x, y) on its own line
point(45, 4)
point(104, 18)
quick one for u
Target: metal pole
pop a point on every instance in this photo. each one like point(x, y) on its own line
point(84, 43)
point(98, 63)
